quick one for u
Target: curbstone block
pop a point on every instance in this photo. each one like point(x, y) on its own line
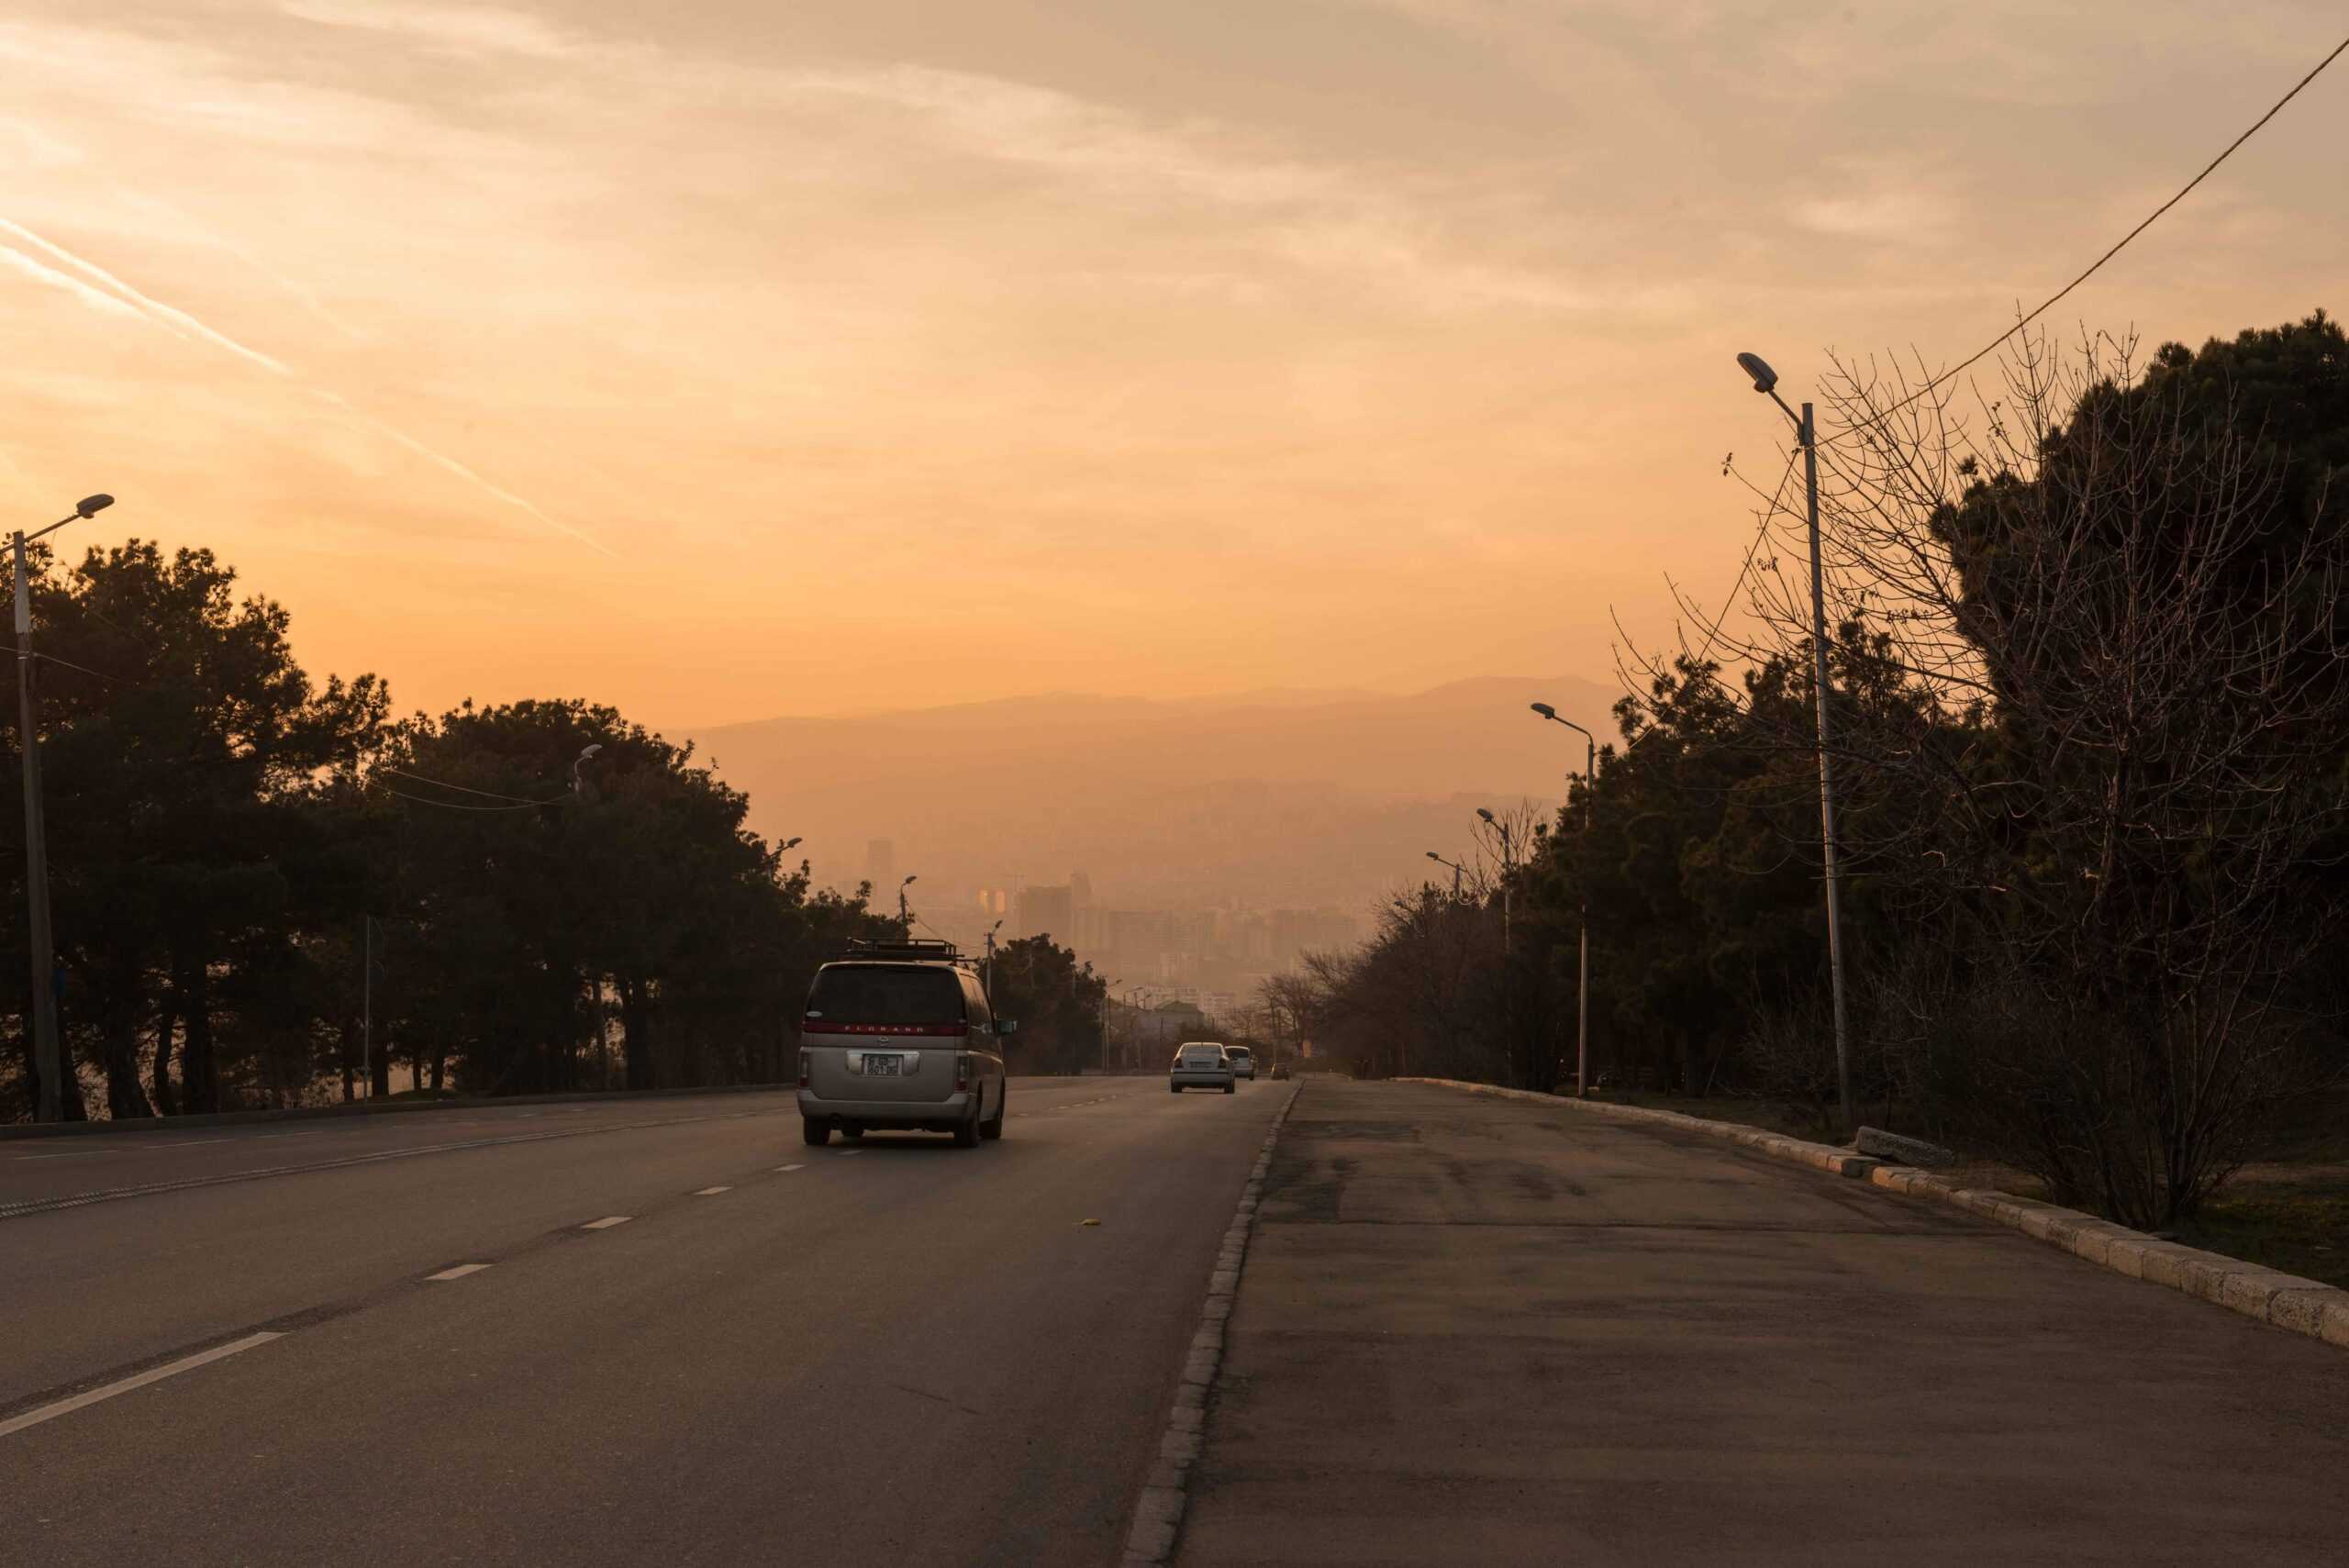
point(2301, 1308)
point(2252, 1291)
point(2125, 1254)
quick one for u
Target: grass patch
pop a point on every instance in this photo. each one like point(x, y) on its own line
point(2298, 1224)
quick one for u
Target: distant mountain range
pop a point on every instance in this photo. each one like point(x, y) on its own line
point(1270, 798)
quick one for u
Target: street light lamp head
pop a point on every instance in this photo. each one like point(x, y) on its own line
point(90, 505)
point(1433, 856)
point(1486, 815)
point(1764, 378)
point(909, 882)
point(589, 751)
point(791, 843)
point(1545, 710)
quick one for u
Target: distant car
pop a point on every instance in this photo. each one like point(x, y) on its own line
point(1201, 1065)
point(900, 1035)
point(1243, 1062)
point(1280, 1071)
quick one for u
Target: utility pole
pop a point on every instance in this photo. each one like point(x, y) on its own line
point(46, 1054)
point(367, 1004)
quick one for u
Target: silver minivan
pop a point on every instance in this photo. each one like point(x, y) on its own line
point(900, 1035)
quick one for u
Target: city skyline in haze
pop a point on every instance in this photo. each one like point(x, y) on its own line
point(731, 364)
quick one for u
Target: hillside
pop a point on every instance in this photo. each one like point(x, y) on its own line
point(1272, 798)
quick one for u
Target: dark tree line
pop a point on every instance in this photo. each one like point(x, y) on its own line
point(2089, 677)
point(231, 841)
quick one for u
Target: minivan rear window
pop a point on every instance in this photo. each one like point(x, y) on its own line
point(1205, 1053)
point(884, 994)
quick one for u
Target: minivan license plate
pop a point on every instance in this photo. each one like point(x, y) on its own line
point(883, 1066)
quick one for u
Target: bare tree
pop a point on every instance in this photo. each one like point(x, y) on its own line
point(2091, 702)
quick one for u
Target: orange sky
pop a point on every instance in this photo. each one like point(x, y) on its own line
point(761, 359)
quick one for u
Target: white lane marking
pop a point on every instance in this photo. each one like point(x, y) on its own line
point(712, 1192)
point(607, 1222)
point(459, 1272)
point(155, 1374)
point(781, 1168)
point(70, 1154)
point(846, 1153)
point(190, 1142)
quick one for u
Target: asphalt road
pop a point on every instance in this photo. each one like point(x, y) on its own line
point(1492, 1332)
point(896, 1350)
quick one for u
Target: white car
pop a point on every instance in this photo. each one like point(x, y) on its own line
point(1243, 1062)
point(1199, 1065)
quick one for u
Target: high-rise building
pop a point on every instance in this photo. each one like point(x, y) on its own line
point(1045, 910)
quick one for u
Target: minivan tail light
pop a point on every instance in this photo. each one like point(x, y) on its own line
point(803, 1067)
point(961, 1070)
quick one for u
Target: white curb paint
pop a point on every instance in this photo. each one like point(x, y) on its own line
point(1158, 1516)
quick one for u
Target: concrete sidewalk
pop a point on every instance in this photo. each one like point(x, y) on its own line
point(1475, 1330)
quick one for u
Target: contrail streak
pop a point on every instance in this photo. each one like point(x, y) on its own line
point(459, 469)
point(188, 225)
point(95, 298)
point(155, 307)
point(139, 307)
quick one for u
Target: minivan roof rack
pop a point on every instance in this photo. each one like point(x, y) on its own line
point(921, 947)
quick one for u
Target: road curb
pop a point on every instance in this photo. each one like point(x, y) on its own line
point(2283, 1301)
point(1158, 1515)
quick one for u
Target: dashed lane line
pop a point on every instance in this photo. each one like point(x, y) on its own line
point(780, 1169)
point(144, 1189)
point(712, 1192)
point(459, 1272)
point(607, 1222)
point(155, 1374)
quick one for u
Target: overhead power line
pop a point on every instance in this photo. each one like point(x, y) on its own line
point(459, 806)
point(2044, 305)
point(466, 789)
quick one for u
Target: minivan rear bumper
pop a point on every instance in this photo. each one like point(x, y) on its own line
point(885, 1114)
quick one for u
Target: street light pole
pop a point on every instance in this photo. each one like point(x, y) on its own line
point(1509, 865)
point(1104, 1023)
point(1455, 872)
point(1766, 380)
point(48, 1056)
point(904, 915)
point(1582, 983)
